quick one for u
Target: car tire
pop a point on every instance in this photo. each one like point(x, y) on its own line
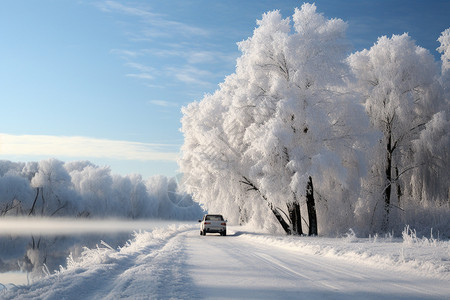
point(223, 233)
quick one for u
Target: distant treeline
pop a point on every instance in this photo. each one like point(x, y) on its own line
point(82, 189)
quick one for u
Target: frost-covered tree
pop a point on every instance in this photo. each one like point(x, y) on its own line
point(161, 190)
point(53, 189)
point(94, 184)
point(444, 48)
point(16, 195)
point(399, 83)
point(283, 121)
point(131, 193)
point(430, 183)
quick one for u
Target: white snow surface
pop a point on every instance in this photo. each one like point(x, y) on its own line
point(175, 262)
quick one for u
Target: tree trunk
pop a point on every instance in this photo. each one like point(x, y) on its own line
point(280, 219)
point(43, 202)
point(34, 203)
point(295, 216)
point(274, 210)
point(387, 190)
point(310, 203)
point(399, 188)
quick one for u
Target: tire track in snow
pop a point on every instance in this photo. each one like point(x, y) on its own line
point(287, 267)
point(158, 275)
point(283, 267)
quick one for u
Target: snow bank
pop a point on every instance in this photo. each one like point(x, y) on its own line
point(425, 256)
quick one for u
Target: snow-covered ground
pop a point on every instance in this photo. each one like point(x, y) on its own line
point(176, 262)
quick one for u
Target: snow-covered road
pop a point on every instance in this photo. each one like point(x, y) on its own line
point(239, 267)
point(178, 263)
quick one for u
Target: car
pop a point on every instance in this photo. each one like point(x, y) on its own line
point(213, 224)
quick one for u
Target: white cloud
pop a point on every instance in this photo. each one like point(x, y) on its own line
point(162, 103)
point(140, 67)
point(141, 76)
point(125, 53)
point(159, 22)
point(111, 6)
point(191, 75)
point(194, 56)
point(178, 43)
point(144, 72)
point(77, 146)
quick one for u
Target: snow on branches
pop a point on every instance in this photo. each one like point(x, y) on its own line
point(277, 124)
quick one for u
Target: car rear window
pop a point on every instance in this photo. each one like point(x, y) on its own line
point(214, 218)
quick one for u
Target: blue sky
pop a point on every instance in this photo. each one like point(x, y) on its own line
point(105, 80)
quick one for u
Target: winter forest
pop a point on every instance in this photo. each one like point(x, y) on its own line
point(308, 138)
point(52, 188)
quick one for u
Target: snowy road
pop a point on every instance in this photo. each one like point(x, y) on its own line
point(178, 263)
point(238, 267)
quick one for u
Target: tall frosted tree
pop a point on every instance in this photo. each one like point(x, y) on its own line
point(282, 121)
point(429, 183)
point(52, 183)
point(444, 49)
point(399, 82)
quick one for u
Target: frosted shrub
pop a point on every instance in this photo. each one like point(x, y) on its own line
point(373, 239)
point(350, 236)
point(70, 262)
point(389, 236)
point(98, 255)
point(410, 238)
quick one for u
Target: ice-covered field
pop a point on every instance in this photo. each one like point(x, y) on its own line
point(176, 262)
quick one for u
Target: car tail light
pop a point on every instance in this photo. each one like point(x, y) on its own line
point(224, 224)
point(207, 223)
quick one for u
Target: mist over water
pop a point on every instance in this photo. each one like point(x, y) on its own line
point(20, 226)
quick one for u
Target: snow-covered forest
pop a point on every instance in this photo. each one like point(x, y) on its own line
point(308, 137)
point(80, 189)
